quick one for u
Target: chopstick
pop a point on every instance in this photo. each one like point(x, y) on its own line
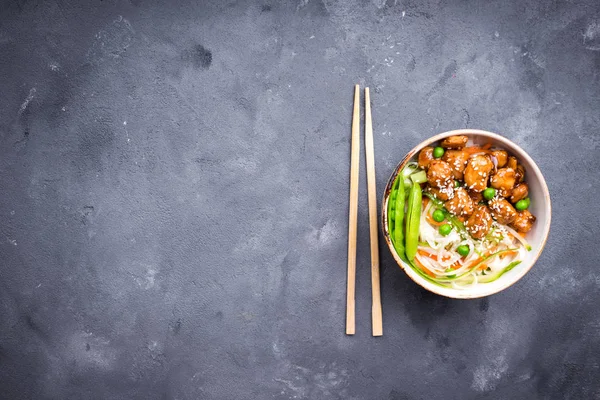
point(373, 225)
point(353, 214)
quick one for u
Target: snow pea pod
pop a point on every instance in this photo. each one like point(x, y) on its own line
point(413, 220)
point(398, 236)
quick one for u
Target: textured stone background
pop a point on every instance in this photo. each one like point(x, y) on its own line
point(173, 197)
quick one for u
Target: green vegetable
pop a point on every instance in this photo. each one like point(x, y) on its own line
point(392, 203)
point(450, 270)
point(419, 177)
point(489, 193)
point(463, 250)
point(456, 184)
point(412, 221)
point(425, 276)
point(445, 229)
point(492, 278)
point(398, 237)
point(522, 205)
point(474, 267)
point(445, 282)
point(438, 152)
point(409, 170)
point(438, 216)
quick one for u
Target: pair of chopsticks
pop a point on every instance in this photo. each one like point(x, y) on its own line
point(352, 228)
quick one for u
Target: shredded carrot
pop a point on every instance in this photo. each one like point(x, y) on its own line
point(508, 253)
point(433, 222)
point(454, 265)
point(475, 262)
point(427, 254)
point(487, 146)
point(420, 265)
point(425, 201)
point(482, 267)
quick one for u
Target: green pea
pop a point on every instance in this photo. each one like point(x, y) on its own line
point(463, 250)
point(456, 184)
point(522, 205)
point(438, 216)
point(445, 229)
point(489, 193)
point(438, 152)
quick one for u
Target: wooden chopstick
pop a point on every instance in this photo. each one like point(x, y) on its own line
point(353, 214)
point(373, 225)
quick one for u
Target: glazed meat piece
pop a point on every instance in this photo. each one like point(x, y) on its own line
point(455, 142)
point(519, 192)
point(503, 179)
point(477, 172)
point(502, 210)
point(504, 192)
point(512, 163)
point(439, 174)
point(479, 222)
point(461, 204)
point(520, 173)
point(501, 157)
point(523, 221)
point(425, 157)
point(457, 160)
point(443, 194)
point(475, 196)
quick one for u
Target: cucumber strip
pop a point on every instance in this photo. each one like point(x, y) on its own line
point(473, 268)
point(409, 169)
point(492, 278)
point(419, 177)
point(425, 276)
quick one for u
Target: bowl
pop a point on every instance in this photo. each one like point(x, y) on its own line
point(540, 207)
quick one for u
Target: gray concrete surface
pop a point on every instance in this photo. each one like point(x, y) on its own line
point(173, 197)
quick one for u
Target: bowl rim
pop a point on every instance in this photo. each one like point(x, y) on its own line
point(454, 293)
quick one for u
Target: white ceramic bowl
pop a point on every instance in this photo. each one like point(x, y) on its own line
point(540, 207)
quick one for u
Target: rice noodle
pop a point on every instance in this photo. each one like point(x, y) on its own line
point(516, 235)
point(443, 260)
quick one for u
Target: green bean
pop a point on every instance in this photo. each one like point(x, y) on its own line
point(413, 220)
